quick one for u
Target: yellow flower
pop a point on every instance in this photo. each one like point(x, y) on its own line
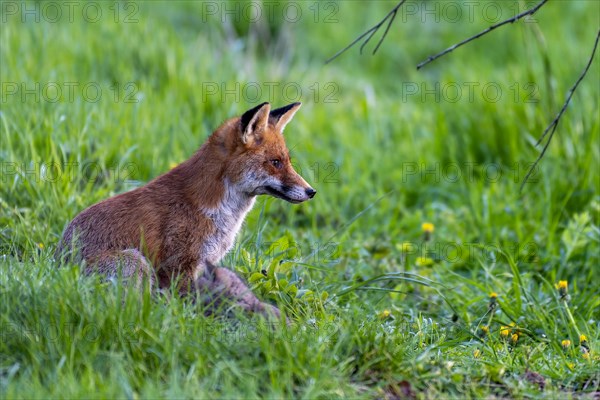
point(514, 338)
point(563, 287)
point(484, 330)
point(424, 262)
point(565, 343)
point(385, 314)
point(504, 331)
point(41, 246)
point(427, 227)
point(585, 353)
point(583, 342)
point(476, 353)
point(493, 295)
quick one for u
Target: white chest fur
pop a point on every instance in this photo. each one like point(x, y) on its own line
point(227, 220)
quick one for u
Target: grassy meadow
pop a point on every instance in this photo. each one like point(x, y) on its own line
point(419, 270)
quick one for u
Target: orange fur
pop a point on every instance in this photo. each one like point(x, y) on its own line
point(183, 222)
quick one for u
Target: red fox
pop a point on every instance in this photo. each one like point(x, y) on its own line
point(180, 225)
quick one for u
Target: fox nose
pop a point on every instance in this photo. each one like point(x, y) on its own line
point(310, 192)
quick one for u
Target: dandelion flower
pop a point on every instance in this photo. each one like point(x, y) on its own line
point(493, 295)
point(504, 331)
point(563, 288)
point(565, 343)
point(428, 227)
point(385, 314)
point(585, 353)
point(584, 343)
point(562, 285)
point(41, 246)
point(514, 338)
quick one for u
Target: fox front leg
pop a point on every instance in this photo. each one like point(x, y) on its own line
point(221, 286)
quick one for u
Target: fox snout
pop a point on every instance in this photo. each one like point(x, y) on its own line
point(292, 188)
point(293, 194)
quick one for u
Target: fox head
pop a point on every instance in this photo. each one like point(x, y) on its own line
point(258, 158)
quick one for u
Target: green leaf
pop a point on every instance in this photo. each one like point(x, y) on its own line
point(285, 267)
point(577, 234)
point(292, 290)
point(255, 277)
point(278, 248)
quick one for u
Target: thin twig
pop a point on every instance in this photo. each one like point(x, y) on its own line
point(554, 124)
point(434, 57)
point(391, 15)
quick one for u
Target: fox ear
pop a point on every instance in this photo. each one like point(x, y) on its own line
point(254, 122)
point(281, 116)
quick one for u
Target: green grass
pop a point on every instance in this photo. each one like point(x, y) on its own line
point(383, 160)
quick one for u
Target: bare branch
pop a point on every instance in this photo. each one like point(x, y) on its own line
point(391, 15)
point(434, 57)
point(554, 124)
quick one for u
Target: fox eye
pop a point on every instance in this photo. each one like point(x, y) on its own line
point(276, 163)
